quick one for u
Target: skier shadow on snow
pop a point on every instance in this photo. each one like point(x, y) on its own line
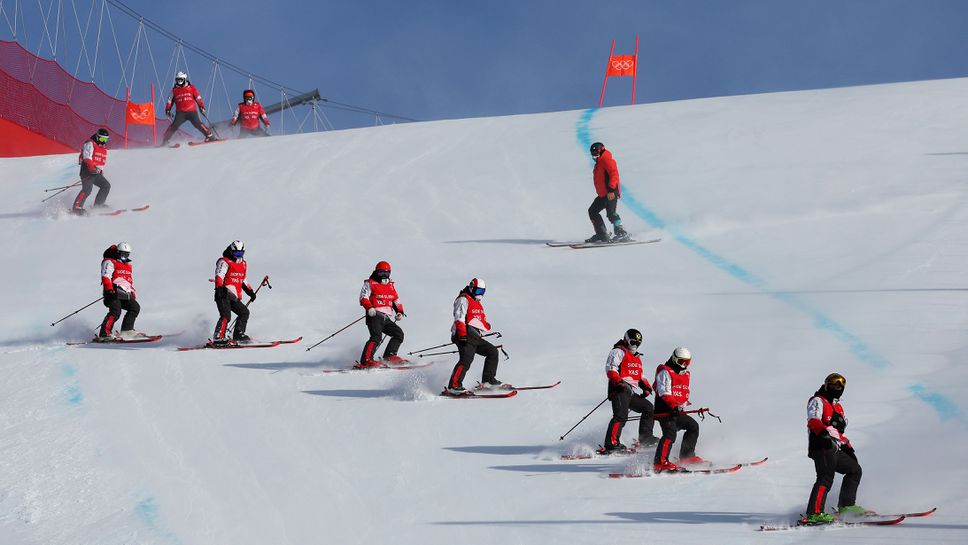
point(281, 366)
point(524, 241)
point(557, 468)
point(695, 517)
point(509, 450)
point(20, 215)
point(350, 393)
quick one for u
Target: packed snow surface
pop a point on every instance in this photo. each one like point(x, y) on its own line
point(802, 233)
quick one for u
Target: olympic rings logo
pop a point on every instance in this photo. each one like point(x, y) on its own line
point(623, 65)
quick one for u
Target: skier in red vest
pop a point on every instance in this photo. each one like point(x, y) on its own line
point(383, 307)
point(831, 453)
point(118, 284)
point(188, 103)
point(608, 191)
point(671, 398)
point(94, 154)
point(469, 325)
point(624, 371)
point(230, 271)
point(249, 113)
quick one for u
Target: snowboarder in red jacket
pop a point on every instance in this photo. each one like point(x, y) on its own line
point(831, 452)
point(623, 368)
point(608, 191)
point(187, 103)
point(248, 114)
point(671, 399)
point(94, 153)
point(470, 323)
point(117, 281)
point(383, 307)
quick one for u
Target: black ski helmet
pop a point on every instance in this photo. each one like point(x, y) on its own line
point(633, 338)
point(101, 136)
point(596, 149)
point(834, 384)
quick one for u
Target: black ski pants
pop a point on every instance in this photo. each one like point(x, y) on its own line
point(181, 117)
point(115, 306)
point(474, 345)
point(670, 429)
point(624, 400)
point(248, 133)
point(595, 213)
point(226, 306)
point(88, 181)
point(380, 325)
point(828, 462)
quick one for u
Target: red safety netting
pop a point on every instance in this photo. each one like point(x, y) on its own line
point(42, 97)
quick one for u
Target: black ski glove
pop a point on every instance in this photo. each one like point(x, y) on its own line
point(250, 292)
point(108, 294)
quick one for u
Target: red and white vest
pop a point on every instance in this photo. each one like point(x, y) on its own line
point(93, 155)
point(819, 414)
point(468, 312)
point(184, 99)
point(117, 275)
point(381, 297)
point(249, 115)
point(231, 274)
point(624, 365)
point(671, 388)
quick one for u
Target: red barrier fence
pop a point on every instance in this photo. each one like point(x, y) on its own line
point(42, 97)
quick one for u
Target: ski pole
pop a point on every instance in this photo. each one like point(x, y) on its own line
point(76, 311)
point(265, 282)
point(211, 125)
point(334, 334)
point(63, 189)
point(497, 333)
point(498, 346)
point(702, 415)
point(583, 419)
point(48, 190)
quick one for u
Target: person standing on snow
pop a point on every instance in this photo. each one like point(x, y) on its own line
point(230, 271)
point(609, 191)
point(466, 332)
point(118, 284)
point(383, 307)
point(831, 452)
point(250, 113)
point(623, 367)
point(94, 154)
point(188, 103)
point(671, 398)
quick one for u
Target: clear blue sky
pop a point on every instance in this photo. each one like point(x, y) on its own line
point(431, 59)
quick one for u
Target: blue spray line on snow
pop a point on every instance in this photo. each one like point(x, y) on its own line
point(148, 513)
point(73, 390)
point(946, 408)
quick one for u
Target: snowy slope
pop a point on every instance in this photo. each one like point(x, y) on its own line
point(803, 233)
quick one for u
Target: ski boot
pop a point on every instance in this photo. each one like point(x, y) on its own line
point(221, 341)
point(78, 211)
point(693, 461)
point(369, 364)
point(241, 338)
point(621, 235)
point(597, 238)
point(494, 384)
point(853, 511)
point(394, 359)
point(667, 467)
point(618, 449)
point(108, 338)
point(646, 442)
point(458, 391)
point(131, 334)
point(816, 519)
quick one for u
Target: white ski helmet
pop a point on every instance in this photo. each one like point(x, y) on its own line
point(236, 249)
point(682, 357)
point(124, 252)
point(476, 288)
point(181, 78)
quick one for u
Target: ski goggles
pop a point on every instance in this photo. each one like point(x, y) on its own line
point(477, 292)
point(101, 139)
point(124, 257)
point(382, 275)
point(237, 254)
point(682, 362)
point(836, 381)
point(180, 81)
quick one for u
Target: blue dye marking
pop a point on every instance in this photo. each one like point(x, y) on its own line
point(74, 395)
point(945, 407)
point(68, 370)
point(147, 511)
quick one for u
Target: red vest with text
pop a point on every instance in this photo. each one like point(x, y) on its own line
point(249, 115)
point(680, 387)
point(97, 159)
point(235, 276)
point(475, 317)
point(631, 366)
point(122, 271)
point(382, 296)
point(184, 98)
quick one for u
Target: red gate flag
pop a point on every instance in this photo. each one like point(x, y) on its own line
point(140, 114)
point(621, 65)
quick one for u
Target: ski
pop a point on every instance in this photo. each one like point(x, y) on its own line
point(835, 524)
point(204, 142)
point(471, 395)
point(230, 346)
point(401, 367)
point(543, 387)
point(120, 211)
point(906, 515)
point(585, 245)
point(139, 340)
point(709, 471)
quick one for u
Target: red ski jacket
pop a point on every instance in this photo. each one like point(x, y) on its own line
point(184, 99)
point(605, 175)
point(250, 114)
